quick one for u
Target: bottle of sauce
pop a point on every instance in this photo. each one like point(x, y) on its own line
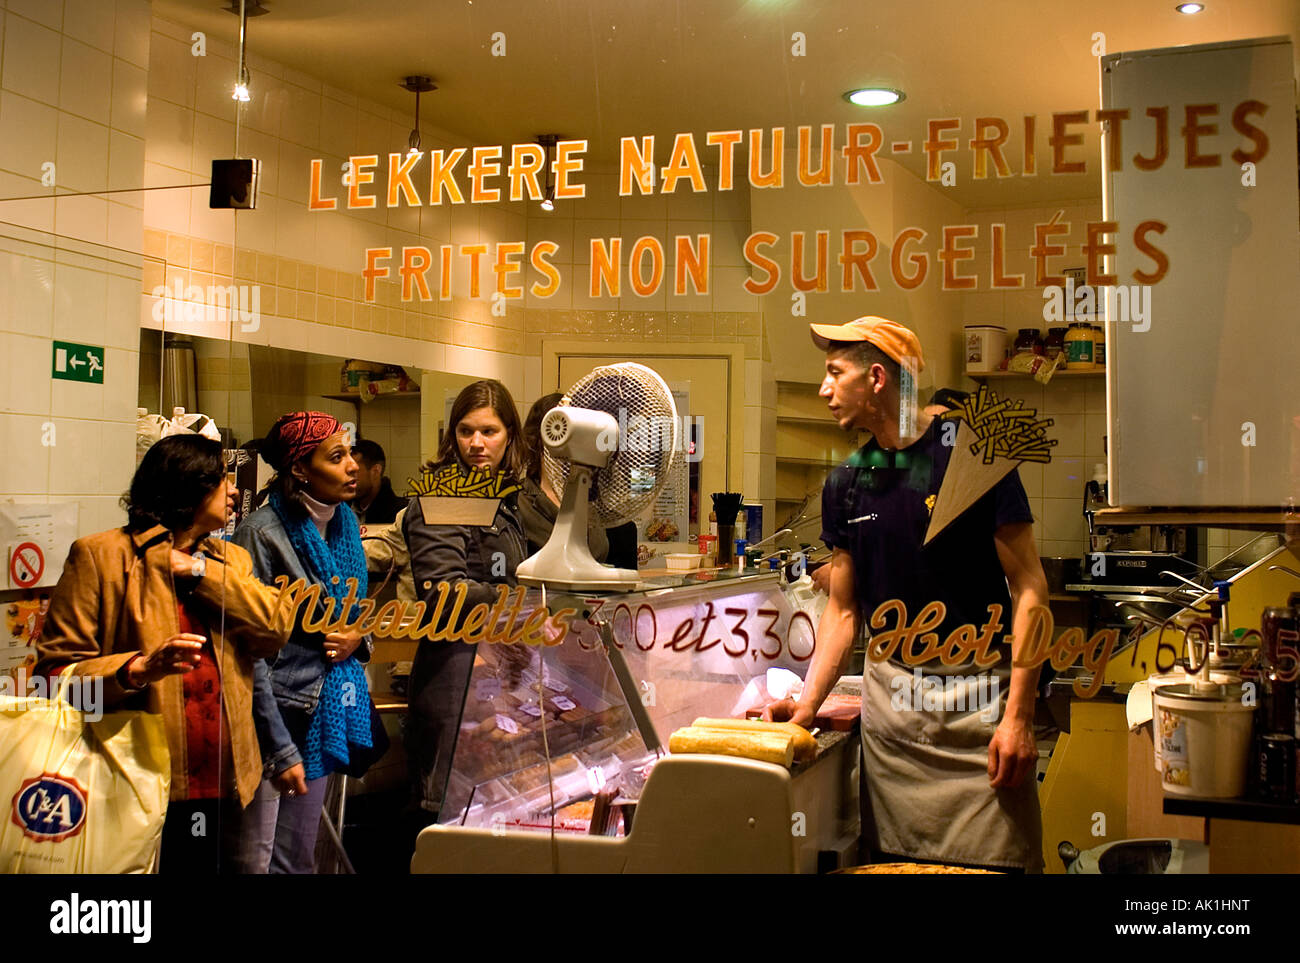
point(1079, 345)
point(1099, 350)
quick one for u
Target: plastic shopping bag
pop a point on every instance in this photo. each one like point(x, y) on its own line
point(82, 796)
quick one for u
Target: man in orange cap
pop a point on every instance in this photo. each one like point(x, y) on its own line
point(950, 779)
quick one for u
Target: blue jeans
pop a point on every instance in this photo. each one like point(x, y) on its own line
point(279, 832)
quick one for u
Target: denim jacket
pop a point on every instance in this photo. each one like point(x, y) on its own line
point(291, 679)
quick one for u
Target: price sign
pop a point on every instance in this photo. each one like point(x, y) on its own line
point(506, 724)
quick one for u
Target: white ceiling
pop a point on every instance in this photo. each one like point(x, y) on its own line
point(603, 69)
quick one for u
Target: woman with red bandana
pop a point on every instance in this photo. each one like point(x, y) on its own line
point(310, 703)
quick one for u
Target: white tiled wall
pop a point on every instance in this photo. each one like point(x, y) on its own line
point(71, 96)
point(1077, 405)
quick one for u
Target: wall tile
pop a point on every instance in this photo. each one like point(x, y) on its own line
point(86, 81)
point(27, 470)
point(77, 460)
point(131, 33)
point(25, 383)
point(170, 136)
point(90, 21)
point(85, 218)
point(31, 58)
point(28, 137)
point(125, 163)
point(79, 299)
point(171, 59)
point(82, 154)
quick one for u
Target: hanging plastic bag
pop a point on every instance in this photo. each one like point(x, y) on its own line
point(84, 793)
point(194, 423)
point(148, 429)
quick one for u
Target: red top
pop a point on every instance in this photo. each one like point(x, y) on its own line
point(209, 764)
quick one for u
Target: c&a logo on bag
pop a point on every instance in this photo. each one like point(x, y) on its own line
point(50, 808)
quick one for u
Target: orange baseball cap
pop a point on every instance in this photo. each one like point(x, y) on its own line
point(890, 337)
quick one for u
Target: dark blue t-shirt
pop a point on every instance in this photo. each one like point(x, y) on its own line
point(877, 506)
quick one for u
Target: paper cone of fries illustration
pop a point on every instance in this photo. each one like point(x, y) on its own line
point(995, 435)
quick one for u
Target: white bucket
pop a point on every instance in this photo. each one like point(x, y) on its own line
point(1204, 740)
point(986, 346)
point(1178, 676)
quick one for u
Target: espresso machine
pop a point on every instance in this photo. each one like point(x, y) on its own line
point(1139, 556)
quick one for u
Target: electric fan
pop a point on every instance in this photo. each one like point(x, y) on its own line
point(609, 448)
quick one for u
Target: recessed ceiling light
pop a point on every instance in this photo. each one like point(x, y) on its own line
point(1190, 7)
point(874, 96)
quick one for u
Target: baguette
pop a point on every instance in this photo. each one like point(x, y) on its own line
point(777, 747)
point(805, 746)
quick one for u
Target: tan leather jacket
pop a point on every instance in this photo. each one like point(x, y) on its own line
point(116, 599)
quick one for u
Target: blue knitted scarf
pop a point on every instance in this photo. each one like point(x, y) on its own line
point(342, 715)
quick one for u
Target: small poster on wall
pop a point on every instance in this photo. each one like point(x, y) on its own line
point(669, 518)
point(36, 539)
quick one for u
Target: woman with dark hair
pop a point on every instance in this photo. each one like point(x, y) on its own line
point(307, 723)
point(173, 619)
point(483, 442)
point(539, 503)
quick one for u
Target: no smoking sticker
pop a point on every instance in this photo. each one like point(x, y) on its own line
point(26, 565)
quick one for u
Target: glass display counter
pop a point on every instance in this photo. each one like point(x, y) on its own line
point(561, 759)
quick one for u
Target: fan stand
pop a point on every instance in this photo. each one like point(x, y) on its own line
point(565, 561)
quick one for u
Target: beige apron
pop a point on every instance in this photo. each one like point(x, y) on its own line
point(927, 773)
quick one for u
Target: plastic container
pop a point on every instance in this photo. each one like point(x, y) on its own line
point(986, 347)
point(1079, 345)
point(1099, 346)
point(683, 561)
point(1205, 740)
point(1164, 680)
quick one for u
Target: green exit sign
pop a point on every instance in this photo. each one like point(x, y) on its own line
point(78, 362)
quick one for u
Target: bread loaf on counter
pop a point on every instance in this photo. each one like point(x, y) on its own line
point(777, 747)
point(805, 746)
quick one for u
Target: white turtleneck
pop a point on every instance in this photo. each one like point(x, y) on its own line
point(320, 512)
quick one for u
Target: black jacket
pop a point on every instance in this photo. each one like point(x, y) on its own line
point(385, 506)
point(441, 671)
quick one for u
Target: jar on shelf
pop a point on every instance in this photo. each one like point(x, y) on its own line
point(1079, 344)
point(1099, 348)
point(1030, 340)
point(1054, 343)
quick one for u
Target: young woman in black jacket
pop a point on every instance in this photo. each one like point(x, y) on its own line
point(484, 436)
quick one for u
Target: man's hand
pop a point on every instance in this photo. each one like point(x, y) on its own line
point(787, 710)
point(1013, 754)
point(821, 577)
point(340, 645)
point(291, 782)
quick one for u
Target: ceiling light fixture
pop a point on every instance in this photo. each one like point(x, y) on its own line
point(417, 84)
point(874, 96)
point(1190, 8)
point(245, 10)
point(548, 141)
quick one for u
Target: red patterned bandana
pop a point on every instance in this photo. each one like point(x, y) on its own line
point(296, 436)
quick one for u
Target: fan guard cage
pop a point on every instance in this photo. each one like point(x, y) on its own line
point(649, 438)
